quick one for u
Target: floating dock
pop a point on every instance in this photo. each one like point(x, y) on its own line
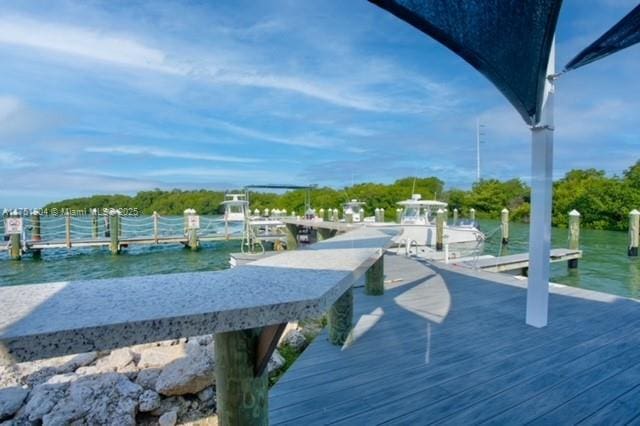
point(516, 262)
point(450, 345)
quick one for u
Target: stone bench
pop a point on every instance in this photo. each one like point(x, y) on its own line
point(246, 307)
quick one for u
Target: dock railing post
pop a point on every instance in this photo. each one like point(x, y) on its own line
point(439, 229)
point(455, 217)
point(193, 224)
point(574, 236)
point(67, 223)
point(340, 318)
point(381, 215)
point(95, 230)
point(114, 227)
point(398, 215)
point(321, 214)
point(155, 226)
point(15, 235)
point(504, 225)
point(36, 231)
point(374, 278)
point(376, 215)
point(634, 228)
point(472, 215)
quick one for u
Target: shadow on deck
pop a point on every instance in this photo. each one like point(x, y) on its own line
point(444, 345)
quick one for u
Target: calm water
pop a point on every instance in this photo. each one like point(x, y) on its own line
point(604, 267)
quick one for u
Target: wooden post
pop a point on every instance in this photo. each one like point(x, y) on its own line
point(504, 224)
point(16, 247)
point(155, 227)
point(193, 224)
point(439, 230)
point(336, 215)
point(340, 318)
point(374, 278)
point(36, 230)
point(95, 230)
point(574, 236)
point(398, 215)
point(455, 217)
point(321, 214)
point(382, 215)
point(472, 214)
point(114, 227)
point(67, 221)
point(292, 236)
point(634, 227)
point(241, 396)
point(376, 215)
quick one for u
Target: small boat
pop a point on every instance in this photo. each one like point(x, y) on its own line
point(418, 221)
point(355, 209)
point(235, 207)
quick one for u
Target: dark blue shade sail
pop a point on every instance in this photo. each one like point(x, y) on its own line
point(508, 41)
point(623, 34)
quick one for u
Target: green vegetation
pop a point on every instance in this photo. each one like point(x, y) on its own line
point(603, 201)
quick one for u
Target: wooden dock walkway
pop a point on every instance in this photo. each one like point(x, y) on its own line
point(518, 261)
point(446, 344)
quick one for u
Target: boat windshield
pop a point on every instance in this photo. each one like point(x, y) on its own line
point(412, 212)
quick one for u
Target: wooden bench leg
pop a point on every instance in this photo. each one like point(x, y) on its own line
point(374, 278)
point(242, 397)
point(341, 318)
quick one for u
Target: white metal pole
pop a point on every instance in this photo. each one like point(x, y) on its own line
point(541, 197)
point(477, 150)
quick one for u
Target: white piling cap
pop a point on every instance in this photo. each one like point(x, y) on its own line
point(505, 210)
point(440, 211)
point(574, 212)
point(455, 210)
point(634, 212)
point(472, 209)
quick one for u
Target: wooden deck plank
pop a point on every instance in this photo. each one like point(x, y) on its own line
point(481, 351)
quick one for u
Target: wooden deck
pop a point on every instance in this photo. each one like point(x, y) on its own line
point(449, 345)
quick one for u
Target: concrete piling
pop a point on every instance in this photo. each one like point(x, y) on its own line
point(634, 228)
point(455, 217)
point(574, 236)
point(440, 219)
point(472, 214)
point(504, 225)
point(114, 226)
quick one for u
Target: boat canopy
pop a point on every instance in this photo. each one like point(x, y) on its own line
point(235, 199)
point(417, 201)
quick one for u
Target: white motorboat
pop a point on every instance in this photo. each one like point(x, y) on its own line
point(418, 221)
point(355, 209)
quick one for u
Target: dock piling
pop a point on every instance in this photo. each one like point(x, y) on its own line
point(440, 218)
point(374, 278)
point(321, 214)
point(398, 215)
point(94, 224)
point(455, 217)
point(241, 395)
point(348, 217)
point(67, 228)
point(574, 236)
point(36, 231)
point(634, 228)
point(114, 226)
point(504, 225)
point(292, 236)
point(472, 214)
point(193, 224)
point(340, 318)
point(155, 227)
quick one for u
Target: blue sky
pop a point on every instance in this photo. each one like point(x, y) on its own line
point(105, 97)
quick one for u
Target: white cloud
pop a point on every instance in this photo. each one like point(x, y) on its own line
point(165, 153)
point(9, 160)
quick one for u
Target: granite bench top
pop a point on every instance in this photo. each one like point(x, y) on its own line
point(52, 319)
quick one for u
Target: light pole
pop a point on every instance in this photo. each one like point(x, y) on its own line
point(478, 142)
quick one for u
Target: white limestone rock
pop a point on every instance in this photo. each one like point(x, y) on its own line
point(149, 401)
point(189, 374)
point(108, 398)
point(296, 340)
point(206, 394)
point(36, 372)
point(11, 400)
point(117, 360)
point(148, 378)
point(159, 356)
point(276, 362)
point(168, 419)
